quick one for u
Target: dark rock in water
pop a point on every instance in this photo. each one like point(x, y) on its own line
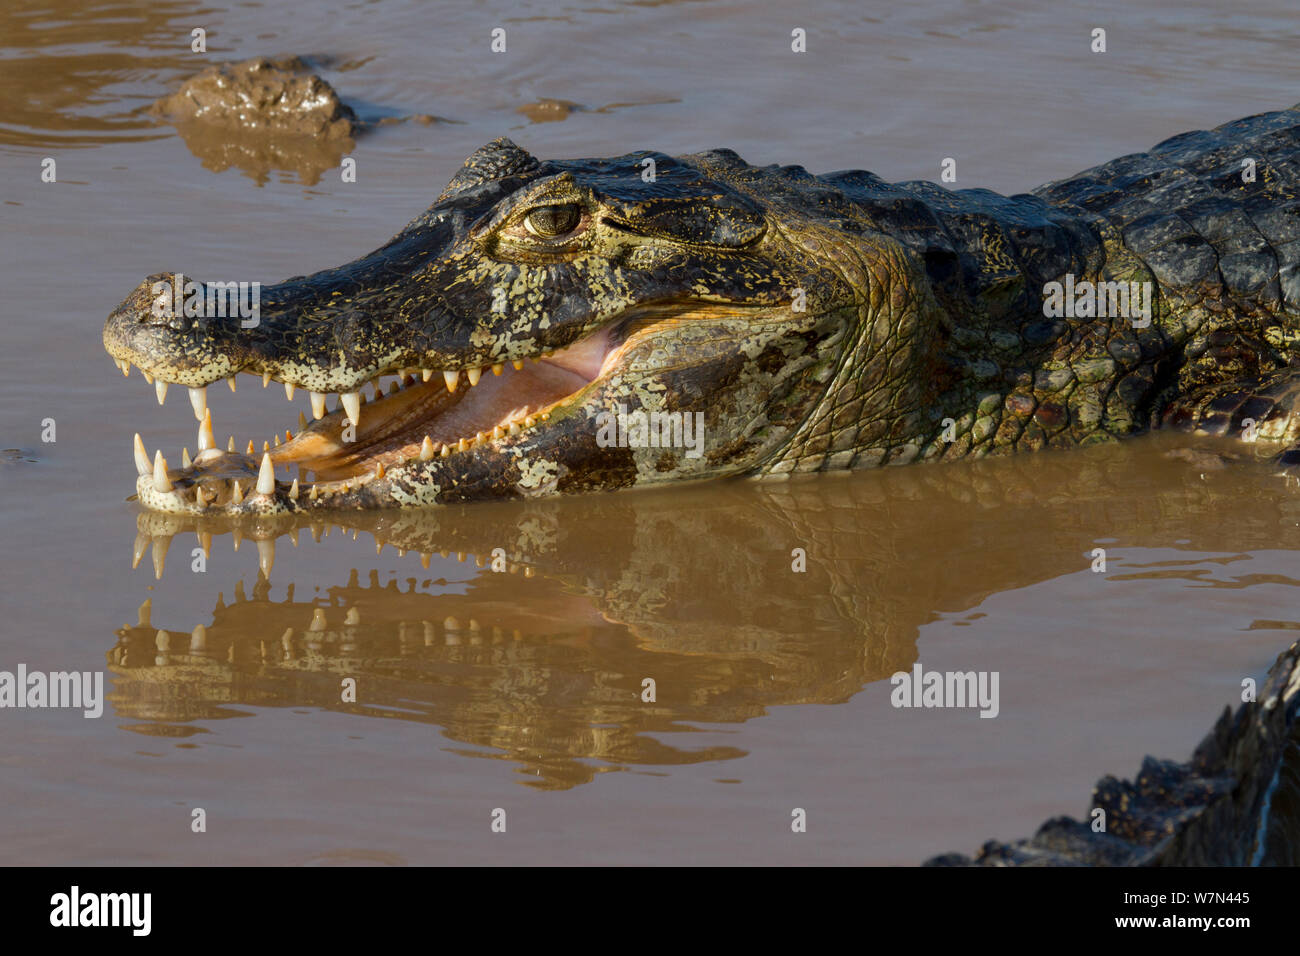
point(1235, 803)
point(278, 97)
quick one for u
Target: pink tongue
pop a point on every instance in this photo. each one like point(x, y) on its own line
point(497, 399)
point(585, 357)
point(530, 389)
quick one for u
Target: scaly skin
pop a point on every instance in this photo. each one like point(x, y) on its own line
point(817, 322)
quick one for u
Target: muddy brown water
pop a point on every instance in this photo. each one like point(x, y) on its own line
point(480, 690)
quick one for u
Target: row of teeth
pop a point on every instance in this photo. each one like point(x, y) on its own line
point(454, 632)
point(157, 466)
point(266, 551)
point(351, 402)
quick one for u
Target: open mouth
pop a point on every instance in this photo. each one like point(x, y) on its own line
point(402, 417)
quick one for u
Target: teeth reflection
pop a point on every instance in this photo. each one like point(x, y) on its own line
point(266, 555)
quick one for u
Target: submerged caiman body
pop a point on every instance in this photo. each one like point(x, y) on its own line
point(766, 321)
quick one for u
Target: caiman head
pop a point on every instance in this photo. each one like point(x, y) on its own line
point(549, 327)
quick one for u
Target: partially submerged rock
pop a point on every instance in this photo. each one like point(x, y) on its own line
point(275, 97)
point(262, 115)
point(1235, 803)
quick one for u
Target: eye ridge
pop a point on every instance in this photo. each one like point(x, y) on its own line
point(548, 222)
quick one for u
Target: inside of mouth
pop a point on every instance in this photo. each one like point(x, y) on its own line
point(413, 415)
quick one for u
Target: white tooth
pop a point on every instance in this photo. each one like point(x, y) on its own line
point(126, 368)
point(231, 382)
point(293, 490)
point(426, 449)
point(451, 378)
point(141, 457)
point(160, 481)
point(185, 458)
point(266, 555)
point(147, 377)
point(230, 444)
point(161, 389)
point(207, 455)
point(352, 405)
point(266, 379)
point(473, 375)
point(199, 399)
point(236, 497)
point(206, 440)
point(426, 374)
point(317, 405)
point(266, 476)
point(288, 391)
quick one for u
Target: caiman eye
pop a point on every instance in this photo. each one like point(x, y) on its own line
point(548, 222)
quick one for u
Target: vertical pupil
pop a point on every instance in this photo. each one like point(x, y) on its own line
point(554, 220)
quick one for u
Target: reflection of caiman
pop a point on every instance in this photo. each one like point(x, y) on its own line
point(695, 590)
point(808, 323)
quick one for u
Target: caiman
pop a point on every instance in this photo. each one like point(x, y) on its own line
point(763, 321)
